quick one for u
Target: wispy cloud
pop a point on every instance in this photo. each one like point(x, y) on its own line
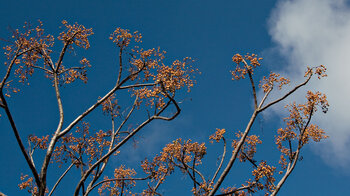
point(314, 32)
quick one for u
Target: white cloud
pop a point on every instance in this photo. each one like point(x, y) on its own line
point(314, 32)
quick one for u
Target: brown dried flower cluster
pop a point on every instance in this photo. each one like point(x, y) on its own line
point(218, 135)
point(242, 70)
point(121, 184)
point(268, 83)
point(82, 145)
point(76, 34)
point(249, 147)
point(298, 126)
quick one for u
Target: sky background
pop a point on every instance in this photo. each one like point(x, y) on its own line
point(289, 35)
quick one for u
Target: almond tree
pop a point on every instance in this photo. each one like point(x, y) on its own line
point(152, 85)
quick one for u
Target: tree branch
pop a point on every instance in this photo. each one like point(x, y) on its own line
point(61, 177)
point(19, 141)
point(115, 88)
point(252, 82)
point(114, 179)
point(221, 162)
point(234, 155)
point(115, 133)
point(53, 140)
point(238, 189)
point(286, 95)
point(293, 162)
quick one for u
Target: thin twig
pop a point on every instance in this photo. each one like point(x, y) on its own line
point(115, 179)
point(61, 177)
point(286, 95)
point(238, 189)
point(221, 162)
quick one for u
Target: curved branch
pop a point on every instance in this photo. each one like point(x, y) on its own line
point(221, 162)
point(19, 141)
point(54, 138)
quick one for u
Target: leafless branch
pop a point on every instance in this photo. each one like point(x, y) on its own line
point(294, 159)
point(120, 64)
point(54, 139)
point(286, 95)
point(114, 134)
point(72, 68)
point(114, 179)
point(19, 141)
point(137, 85)
point(238, 189)
point(221, 162)
point(252, 82)
point(234, 155)
point(61, 177)
point(86, 112)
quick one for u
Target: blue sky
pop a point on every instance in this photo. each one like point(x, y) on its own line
point(288, 34)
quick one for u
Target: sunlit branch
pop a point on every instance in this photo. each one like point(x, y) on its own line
point(137, 85)
point(61, 177)
point(293, 162)
point(72, 68)
point(286, 95)
point(99, 102)
point(115, 179)
point(198, 172)
point(128, 116)
point(88, 172)
point(221, 162)
point(178, 109)
point(63, 51)
point(114, 134)
point(42, 68)
point(31, 150)
point(48, 60)
point(264, 98)
point(55, 137)
point(234, 155)
point(238, 189)
point(159, 182)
